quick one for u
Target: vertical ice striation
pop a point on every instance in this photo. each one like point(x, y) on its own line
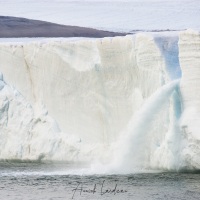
point(189, 54)
point(91, 87)
point(168, 46)
point(99, 92)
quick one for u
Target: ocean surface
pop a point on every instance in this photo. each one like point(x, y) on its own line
point(36, 181)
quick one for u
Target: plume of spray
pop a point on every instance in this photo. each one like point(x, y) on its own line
point(129, 155)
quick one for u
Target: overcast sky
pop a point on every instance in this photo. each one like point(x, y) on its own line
point(108, 15)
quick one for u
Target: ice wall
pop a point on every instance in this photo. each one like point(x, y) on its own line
point(90, 87)
point(27, 133)
point(189, 55)
point(93, 91)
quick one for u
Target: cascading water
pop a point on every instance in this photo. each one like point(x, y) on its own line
point(130, 154)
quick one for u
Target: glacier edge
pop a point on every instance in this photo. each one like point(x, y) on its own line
point(92, 88)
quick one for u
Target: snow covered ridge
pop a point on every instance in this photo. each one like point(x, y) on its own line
point(94, 91)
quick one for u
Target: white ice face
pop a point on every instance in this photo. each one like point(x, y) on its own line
point(103, 96)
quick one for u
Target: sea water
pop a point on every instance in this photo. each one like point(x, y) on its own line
point(33, 181)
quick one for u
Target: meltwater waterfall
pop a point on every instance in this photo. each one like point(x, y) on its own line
point(133, 148)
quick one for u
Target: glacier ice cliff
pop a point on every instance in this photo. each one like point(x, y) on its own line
point(189, 55)
point(95, 91)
